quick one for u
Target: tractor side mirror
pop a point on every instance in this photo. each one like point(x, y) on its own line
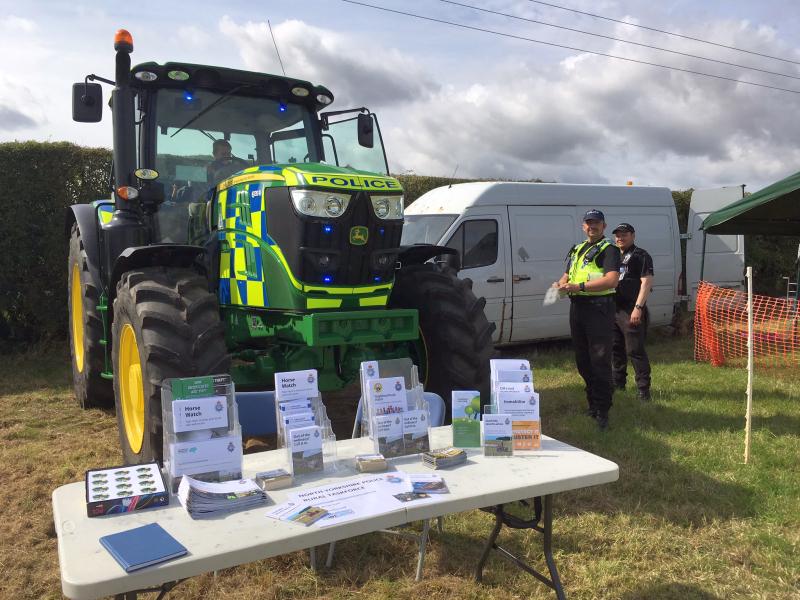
point(366, 130)
point(87, 102)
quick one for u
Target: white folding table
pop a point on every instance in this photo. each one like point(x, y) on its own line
point(89, 571)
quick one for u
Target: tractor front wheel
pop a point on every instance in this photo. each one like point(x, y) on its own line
point(455, 342)
point(166, 324)
point(85, 330)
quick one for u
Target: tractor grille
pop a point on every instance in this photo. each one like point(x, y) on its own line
point(319, 250)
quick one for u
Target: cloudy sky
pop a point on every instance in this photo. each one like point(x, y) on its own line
point(451, 98)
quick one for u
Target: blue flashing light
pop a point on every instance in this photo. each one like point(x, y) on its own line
point(188, 96)
point(327, 228)
point(281, 107)
point(382, 230)
point(327, 279)
point(377, 279)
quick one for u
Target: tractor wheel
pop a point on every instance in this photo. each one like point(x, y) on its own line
point(85, 330)
point(166, 324)
point(455, 342)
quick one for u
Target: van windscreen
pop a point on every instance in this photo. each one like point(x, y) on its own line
point(425, 229)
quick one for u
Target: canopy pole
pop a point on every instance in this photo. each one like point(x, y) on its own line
point(749, 414)
point(703, 257)
point(797, 279)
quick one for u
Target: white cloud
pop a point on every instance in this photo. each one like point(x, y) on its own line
point(358, 72)
point(11, 23)
point(191, 35)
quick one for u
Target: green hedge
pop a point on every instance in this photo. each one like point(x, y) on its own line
point(38, 181)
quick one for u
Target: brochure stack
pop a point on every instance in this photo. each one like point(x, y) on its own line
point(304, 428)
point(513, 395)
point(202, 435)
point(396, 415)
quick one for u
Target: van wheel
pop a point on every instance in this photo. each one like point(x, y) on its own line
point(166, 324)
point(455, 338)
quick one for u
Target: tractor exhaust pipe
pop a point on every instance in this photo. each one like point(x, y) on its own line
point(122, 103)
point(127, 228)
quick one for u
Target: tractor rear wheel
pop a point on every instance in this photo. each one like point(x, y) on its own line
point(85, 330)
point(455, 342)
point(166, 324)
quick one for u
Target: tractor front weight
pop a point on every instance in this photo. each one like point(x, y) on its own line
point(264, 342)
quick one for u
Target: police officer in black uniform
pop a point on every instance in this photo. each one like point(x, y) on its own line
point(590, 279)
point(630, 328)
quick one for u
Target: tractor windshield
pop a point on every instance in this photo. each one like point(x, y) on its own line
point(192, 129)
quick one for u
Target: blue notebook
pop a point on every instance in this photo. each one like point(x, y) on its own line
point(143, 546)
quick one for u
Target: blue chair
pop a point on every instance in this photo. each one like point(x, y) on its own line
point(257, 413)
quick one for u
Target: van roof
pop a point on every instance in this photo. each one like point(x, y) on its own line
point(455, 199)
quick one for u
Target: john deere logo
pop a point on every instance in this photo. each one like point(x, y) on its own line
point(359, 235)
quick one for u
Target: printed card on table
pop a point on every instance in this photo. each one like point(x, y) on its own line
point(507, 364)
point(200, 413)
point(515, 376)
point(415, 431)
point(305, 444)
point(466, 418)
point(296, 385)
point(527, 435)
point(387, 395)
point(389, 433)
point(497, 435)
point(522, 406)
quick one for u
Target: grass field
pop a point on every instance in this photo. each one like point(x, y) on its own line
point(687, 519)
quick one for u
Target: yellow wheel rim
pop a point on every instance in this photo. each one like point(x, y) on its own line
point(77, 317)
point(131, 388)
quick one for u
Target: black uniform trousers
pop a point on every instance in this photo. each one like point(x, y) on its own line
point(591, 323)
point(629, 342)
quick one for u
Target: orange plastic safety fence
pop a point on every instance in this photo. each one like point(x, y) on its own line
point(720, 328)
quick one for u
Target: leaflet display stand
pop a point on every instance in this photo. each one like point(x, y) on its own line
point(513, 393)
point(304, 428)
point(202, 435)
point(395, 413)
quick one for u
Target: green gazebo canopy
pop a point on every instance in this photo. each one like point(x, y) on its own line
point(775, 210)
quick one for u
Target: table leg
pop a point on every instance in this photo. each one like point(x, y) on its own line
point(547, 543)
point(548, 547)
point(487, 548)
point(423, 543)
point(163, 591)
point(312, 558)
point(331, 549)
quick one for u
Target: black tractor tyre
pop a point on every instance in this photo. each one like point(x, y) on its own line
point(176, 325)
point(455, 336)
point(85, 330)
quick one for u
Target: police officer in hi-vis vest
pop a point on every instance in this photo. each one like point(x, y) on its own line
point(590, 279)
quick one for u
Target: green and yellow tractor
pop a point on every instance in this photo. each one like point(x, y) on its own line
point(249, 233)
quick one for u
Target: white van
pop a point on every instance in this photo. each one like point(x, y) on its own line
point(513, 239)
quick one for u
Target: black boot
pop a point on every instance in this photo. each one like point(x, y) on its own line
point(602, 422)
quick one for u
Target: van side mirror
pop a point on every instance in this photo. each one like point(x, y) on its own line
point(452, 260)
point(366, 130)
point(87, 102)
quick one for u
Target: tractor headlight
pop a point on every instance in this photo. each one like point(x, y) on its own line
point(315, 203)
point(388, 207)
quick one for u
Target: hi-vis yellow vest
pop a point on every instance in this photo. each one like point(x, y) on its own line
point(583, 266)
